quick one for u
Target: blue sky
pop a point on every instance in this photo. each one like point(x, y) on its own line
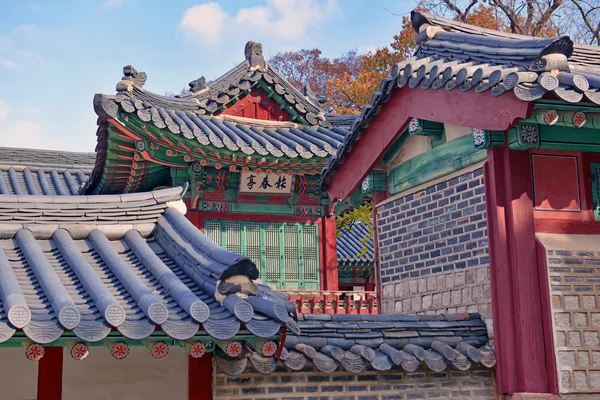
point(55, 55)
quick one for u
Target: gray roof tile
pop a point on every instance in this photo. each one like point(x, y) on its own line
point(95, 272)
point(487, 60)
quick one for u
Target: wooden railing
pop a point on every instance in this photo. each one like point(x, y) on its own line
point(333, 302)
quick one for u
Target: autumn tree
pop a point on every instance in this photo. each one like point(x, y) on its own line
point(308, 66)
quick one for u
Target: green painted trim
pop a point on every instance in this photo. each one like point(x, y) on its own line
point(438, 140)
point(252, 208)
point(436, 163)
point(555, 137)
point(300, 255)
point(67, 338)
point(395, 148)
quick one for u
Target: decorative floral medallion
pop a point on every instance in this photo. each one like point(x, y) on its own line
point(197, 350)
point(529, 134)
point(578, 119)
point(140, 145)
point(120, 350)
point(478, 137)
point(269, 348)
point(234, 349)
point(366, 183)
point(34, 352)
point(550, 117)
point(80, 351)
point(160, 350)
point(196, 167)
point(413, 125)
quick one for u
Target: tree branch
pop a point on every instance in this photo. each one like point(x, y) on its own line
point(546, 15)
point(585, 16)
point(512, 18)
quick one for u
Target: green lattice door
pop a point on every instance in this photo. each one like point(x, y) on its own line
point(286, 254)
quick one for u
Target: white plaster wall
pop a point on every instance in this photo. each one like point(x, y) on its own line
point(137, 377)
point(454, 131)
point(414, 146)
point(18, 375)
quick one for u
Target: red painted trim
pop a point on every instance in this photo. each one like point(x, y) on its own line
point(547, 319)
point(478, 110)
point(377, 198)
point(50, 370)
point(506, 375)
point(533, 377)
point(330, 266)
point(123, 130)
point(561, 226)
point(200, 378)
point(520, 329)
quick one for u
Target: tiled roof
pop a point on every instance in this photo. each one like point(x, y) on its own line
point(456, 56)
point(131, 262)
point(350, 245)
point(179, 116)
point(382, 342)
point(43, 172)
point(387, 340)
point(241, 78)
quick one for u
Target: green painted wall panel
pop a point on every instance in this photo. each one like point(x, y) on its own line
point(286, 254)
point(436, 163)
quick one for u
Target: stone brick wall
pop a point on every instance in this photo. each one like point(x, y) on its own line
point(573, 263)
point(433, 249)
point(475, 384)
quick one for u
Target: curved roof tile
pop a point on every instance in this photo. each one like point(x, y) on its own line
point(453, 55)
point(89, 263)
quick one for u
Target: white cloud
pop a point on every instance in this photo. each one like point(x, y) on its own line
point(114, 3)
point(4, 110)
point(25, 29)
point(209, 23)
point(7, 64)
point(25, 134)
point(204, 23)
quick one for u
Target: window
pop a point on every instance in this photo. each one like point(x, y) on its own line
point(286, 253)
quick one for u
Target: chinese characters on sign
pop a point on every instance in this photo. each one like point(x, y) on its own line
point(251, 182)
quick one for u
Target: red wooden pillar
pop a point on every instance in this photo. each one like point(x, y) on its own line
point(50, 369)
point(200, 378)
point(330, 270)
point(196, 218)
point(377, 198)
point(515, 278)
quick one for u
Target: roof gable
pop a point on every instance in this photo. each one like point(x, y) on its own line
point(479, 62)
point(223, 94)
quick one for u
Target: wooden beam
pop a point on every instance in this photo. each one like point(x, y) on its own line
point(330, 266)
point(475, 110)
point(377, 198)
point(200, 378)
point(520, 330)
point(50, 370)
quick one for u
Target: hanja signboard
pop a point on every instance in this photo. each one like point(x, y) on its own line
point(265, 184)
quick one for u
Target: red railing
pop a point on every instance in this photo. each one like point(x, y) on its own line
point(333, 302)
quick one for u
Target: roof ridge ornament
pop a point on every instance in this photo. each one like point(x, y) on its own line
point(254, 54)
point(198, 85)
point(131, 74)
point(312, 96)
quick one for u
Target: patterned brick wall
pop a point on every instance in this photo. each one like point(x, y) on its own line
point(475, 384)
point(434, 249)
point(575, 289)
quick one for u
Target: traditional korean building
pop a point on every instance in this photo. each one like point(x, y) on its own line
point(489, 142)
point(154, 272)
